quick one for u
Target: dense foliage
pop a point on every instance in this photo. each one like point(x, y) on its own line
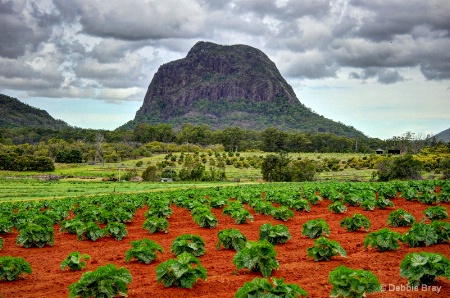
point(324, 249)
point(257, 256)
point(192, 244)
point(355, 223)
point(231, 239)
point(105, 281)
point(382, 240)
point(274, 234)
point(182, 272)
point(424, 268)
point(262, 287)
point(143, 250)
point(11, 268)
point(352, 283)
point(315, 228)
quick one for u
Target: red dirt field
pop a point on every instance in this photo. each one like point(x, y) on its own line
point(47, 280)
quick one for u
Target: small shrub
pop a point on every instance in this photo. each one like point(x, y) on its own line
point(156, 224)
point(424, 267)
point(420, 234)
point(106, 281)
point(73, 226)
point(442, 230)
point(91, 232)
point(116, 230)
point(32, 234)
point(324, 249)
point(337, 207)
point(315, 228)
point(274, 234)
point(368, 204)
point(301, 205)
point(428, 197)
point(261, 287)
point(182, 272)
point(400, 218)
point(192, 244)
point(231, 239)
point(143, 250)
point(263, 207)
point(348, 282)
point(383, 203)
point(382, 240)
point(6, 226)
point(355, 223)
point(282, 213)
point(204, 218)
point(257, 256)
point(75, 261)
point(436, 212)
point(11, 268)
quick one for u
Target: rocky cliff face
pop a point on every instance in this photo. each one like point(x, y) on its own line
point(226, 86)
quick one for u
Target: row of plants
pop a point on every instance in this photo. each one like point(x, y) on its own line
point(185, 270)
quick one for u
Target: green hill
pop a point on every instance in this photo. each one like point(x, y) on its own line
point(16, 114)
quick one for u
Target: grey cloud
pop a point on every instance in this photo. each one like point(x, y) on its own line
point(384, 76)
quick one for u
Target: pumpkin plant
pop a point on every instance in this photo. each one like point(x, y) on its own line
point(75, 261)
point(324, 249)
point(262, 287)
point(274, 234)
point(12, 267)
point(231, 239)
point(382, 240)
point(315, 228)
point(355, 223)
point(182, 272)
point(193, 244)
point(143, 250)
point(257, 256)
point(352, 283)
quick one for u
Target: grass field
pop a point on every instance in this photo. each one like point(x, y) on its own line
point(85, 179)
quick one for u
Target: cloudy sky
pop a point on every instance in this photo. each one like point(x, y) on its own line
point(380, 66)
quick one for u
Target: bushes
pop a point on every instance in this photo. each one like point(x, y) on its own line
point(403, 167)
point(424, 267)
point(182, 272)
point(257, 256)
point(106, 281)
point(14, 162)
point(11, 268)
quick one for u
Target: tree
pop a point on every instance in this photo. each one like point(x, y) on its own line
point(275, 167)
point(303, 170)
point(403, 167)
point(150, 174)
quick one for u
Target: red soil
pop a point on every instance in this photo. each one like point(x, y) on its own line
point(47, 280)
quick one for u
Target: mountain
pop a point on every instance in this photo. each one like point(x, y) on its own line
point(226, 86)
point(443, 136)
point(16, 114)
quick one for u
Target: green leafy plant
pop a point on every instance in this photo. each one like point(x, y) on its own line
point(383, 203)
point(442, 230)
point(337, 207)
point(205, 218)
point(382, 240)
point(11, 268)
point(156, 224)
point(274, 234)
point(428, 197)
point(193, 244)
point(143, 250)
point(42, 220)
point(32, 234)
point(368, 204)
point(117, 230)
point(355, 223)
point(237, 211)
point(424, 268)
point(400, 218)
point(301, 205)
point(263, 207)
point(163, 211)
point(420, 234)
point(106, 281)
point(257, 256)
point(324, 249)
point(231, 239)
point(262, 287)
point(1, 243)
point(182, 272)
point(436, 212)
point(282, 213)
point(315, 228)
point(6, 226)
point(75, 261)
point(91, 231)
point(73, 226)
point(352, 283)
